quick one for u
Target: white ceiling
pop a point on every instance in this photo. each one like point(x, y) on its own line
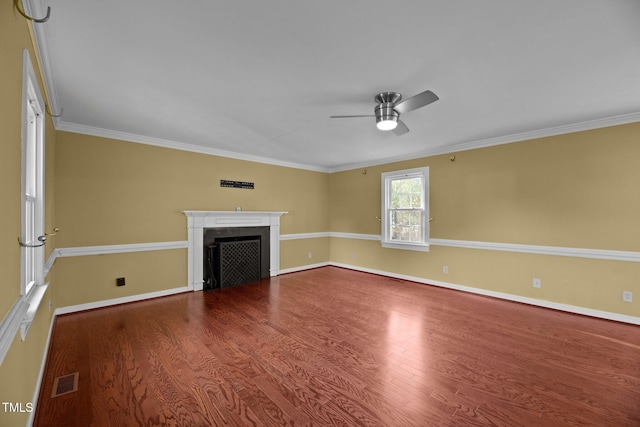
point(258, 79)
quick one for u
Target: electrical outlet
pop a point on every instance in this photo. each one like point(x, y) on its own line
point(353, 255)
point(627, 296)
point(120, 281)
point(445, 269)
point(536, 283)
point(310, 255)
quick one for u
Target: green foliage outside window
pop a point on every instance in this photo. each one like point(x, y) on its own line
point(406, 209)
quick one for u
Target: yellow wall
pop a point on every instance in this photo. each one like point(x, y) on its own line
point(303, 252)
point(111, 192)
point(20, 369)
point(577, 190)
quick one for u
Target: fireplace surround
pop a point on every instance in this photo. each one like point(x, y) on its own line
point(199, 221)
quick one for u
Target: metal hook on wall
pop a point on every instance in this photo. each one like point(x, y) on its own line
point(16, 3)
point(48, 110)
point(55, 231)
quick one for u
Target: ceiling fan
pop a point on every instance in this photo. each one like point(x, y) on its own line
point(390, 106)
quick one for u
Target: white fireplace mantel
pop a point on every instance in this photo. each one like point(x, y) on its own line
point(197, 221)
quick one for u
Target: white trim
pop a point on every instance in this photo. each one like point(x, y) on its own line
point(10, 325)
point(43, 363)
point(471, 145)
point(542, 250)
point(500, 140)
point(166, 143)
point(36, 8)
point(50, 261)
point(32, 178)
point(298, 236)
point(387, 178)
point(501, 295)
point(109, 249)
point(605, 254)
point(33, 299)
point(355, 236)
point(421, 247)
point(304, 267)
point(123, 300)
point(120, 249)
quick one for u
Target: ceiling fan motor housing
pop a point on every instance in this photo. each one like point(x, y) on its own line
point(384, 110)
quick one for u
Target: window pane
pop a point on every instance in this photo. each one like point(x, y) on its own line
point(405, 226)
point(30, 154)
point(406, 193)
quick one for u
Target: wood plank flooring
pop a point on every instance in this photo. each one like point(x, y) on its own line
point(335, 347)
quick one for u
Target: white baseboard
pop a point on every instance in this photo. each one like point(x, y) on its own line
point(116, 301)
point(43, 363)
point(304, 267)
point(501, 295)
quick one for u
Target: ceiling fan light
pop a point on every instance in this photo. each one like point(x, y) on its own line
point(389, 123)
point(386, 117)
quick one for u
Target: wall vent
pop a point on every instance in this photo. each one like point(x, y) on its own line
point(65, 384)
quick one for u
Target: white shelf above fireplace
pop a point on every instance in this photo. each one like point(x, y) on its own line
point(197, 221)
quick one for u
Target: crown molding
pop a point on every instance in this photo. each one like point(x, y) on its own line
point(500, 140)
point(36, 7)
point(166, 143)
point(471, 145)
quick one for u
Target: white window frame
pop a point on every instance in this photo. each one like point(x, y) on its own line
point(387, 179)
point(32, 284)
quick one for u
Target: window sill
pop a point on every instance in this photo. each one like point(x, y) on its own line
point(422, 247)
point(33, 300)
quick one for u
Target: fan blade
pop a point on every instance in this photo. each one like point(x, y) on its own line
point(348, 117)
point(418, 101)
point(401, 129)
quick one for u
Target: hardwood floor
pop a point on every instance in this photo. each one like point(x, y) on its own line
point(334, 347)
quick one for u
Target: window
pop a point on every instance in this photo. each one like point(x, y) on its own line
point(405, 209)
point(32, 284)
point(32, 180)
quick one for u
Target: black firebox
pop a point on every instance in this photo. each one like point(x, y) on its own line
point(235, 256)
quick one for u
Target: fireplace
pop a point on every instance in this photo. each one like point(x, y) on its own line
point(214, 222)
point(235, 256)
